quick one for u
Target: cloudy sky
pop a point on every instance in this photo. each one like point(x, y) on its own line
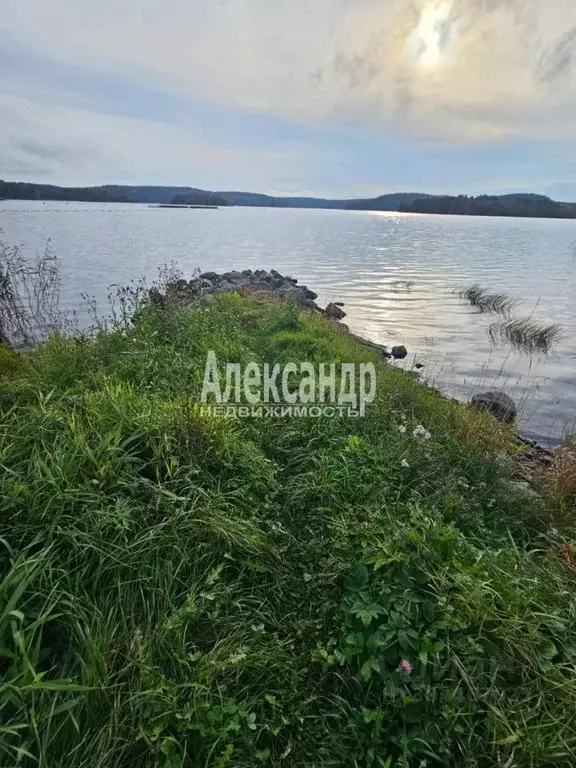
point(328, 97)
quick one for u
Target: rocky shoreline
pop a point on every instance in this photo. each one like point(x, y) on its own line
point(208, 284)
point(203, 288)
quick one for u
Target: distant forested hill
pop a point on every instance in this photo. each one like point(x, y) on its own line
point(409, 202)
point(268, 201)
point(523, 205)
point(383, 203)
point(157, 195)
point(18, 190)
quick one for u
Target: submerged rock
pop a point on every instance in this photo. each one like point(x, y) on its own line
point(502, 407)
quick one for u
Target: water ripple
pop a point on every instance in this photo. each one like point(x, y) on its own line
point(396, 273)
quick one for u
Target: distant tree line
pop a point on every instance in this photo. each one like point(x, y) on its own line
point(535, 206)
point(19, 190)
point(200, 198)
point(528, 205)
point(391, 202)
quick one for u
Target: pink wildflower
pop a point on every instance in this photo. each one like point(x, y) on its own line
point(405, 667)
point(482, 484)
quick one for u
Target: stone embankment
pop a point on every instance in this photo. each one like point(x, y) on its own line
point(273, 282)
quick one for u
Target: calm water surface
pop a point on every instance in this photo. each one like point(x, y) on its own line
point(395, 272)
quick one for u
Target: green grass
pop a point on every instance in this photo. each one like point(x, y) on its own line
point(181, 590)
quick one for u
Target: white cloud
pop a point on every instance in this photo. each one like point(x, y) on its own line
point(41, 139)
point(505, 68)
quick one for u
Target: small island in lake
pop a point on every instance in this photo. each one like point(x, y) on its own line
point(197, 199)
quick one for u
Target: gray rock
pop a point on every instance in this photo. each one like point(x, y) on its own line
point(199, 284)
point(292, 280)
point(339, 303)
point(262, 286)
point(332, 310)
point(210, 276)
point(340, 326)
point(309, 304)
point(399, 353)
point(502, 407)
point(233, 277)
point(292, 291)
point(310, 294)
point(247, 272)
point(226, 287)
point(240, 280)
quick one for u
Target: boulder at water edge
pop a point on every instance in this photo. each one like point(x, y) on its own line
point(499, 404)
point(334, 311)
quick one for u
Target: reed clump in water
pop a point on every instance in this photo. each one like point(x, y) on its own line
point(522, 334)
point(486, 301)
point(525, 335)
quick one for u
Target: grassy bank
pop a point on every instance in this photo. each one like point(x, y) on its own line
point(181, 590)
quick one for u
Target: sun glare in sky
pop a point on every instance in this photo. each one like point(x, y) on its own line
point(429, 39)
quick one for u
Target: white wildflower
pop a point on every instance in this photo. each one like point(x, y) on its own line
point(402, 429)
point(405, 464)
point(420, 431)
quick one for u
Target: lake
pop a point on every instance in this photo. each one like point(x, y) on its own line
point(396, 273)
